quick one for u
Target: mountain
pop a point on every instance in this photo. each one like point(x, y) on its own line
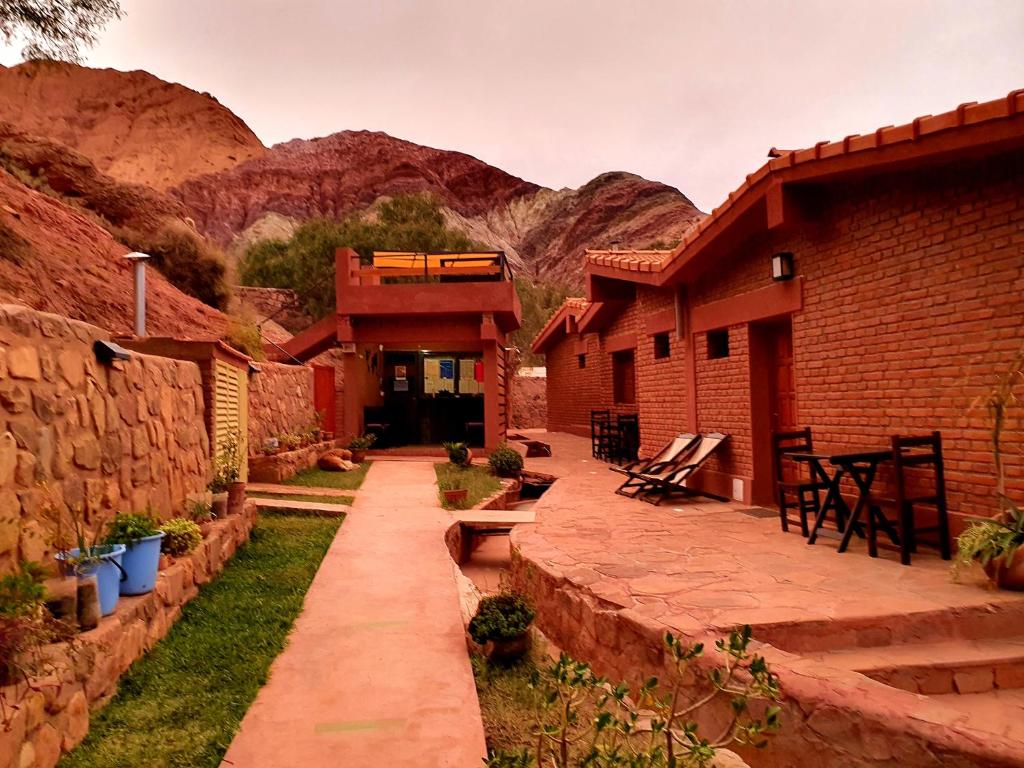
point(543, 231)
point(135, 127)
point(128, 151)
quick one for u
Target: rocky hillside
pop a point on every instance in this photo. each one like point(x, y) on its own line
point(544, 231)
point(132, 125)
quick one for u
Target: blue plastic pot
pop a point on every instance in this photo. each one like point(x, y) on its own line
point(141, 563)
point(108, 571)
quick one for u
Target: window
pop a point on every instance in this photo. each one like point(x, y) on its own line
point(662, 347)
point(718, 344)
point(624, 377)
point(581, 360)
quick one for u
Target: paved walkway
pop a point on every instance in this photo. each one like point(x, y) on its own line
point(376, 671)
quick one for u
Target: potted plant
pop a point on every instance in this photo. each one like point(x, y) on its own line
point(181, 536)
point(141, 538)
point(453, 492)
point(501, 625)
point(26, 626)
point(995, 542)
point(99, 562)
point(359, 446)
point(201, 513)
point(228, 489)
point(458, 454)
point(505, 461)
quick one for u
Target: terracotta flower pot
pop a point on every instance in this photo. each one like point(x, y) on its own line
point(236, 498)
point(457, 496)
point(1007, 575)
point(205, 527)
point(219, 504)
point(358, 456)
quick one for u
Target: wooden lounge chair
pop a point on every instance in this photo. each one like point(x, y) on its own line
point(665, 461)
point(661, 485)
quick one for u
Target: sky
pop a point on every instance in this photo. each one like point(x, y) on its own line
point(557, 91)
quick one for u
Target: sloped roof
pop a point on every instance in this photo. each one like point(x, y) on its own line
point(572, 307)
point(969, 130)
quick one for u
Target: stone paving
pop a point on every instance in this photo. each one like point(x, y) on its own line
point(376, 671)
point(611, 575)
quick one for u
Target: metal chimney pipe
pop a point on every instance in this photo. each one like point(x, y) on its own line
point(139, 260)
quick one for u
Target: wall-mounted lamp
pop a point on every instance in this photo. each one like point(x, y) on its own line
point(254, 369)
point(782, 266)
point(107, 352)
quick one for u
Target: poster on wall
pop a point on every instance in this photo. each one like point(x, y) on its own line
point(438, 375)
point(468, 383)
point(400, 373)
point(447, 368)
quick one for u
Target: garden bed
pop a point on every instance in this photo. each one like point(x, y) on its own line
point(322, 478)
point(52, 716)
point(279, 467)
point(181, 704)
point(479, 481)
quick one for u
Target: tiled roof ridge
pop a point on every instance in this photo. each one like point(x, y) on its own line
point(967, 114)
point(571, 303)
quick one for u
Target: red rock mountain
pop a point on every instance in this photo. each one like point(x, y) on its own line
point(132, 125)
point(147, 150)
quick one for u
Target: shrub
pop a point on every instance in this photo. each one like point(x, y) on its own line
point(188, 261)
point(25, 625)
point(130, 528)
point(200, 511)
point(505, 461)
point(227, 465)
point(244, 334)
point(501, 617)
point(181, 536)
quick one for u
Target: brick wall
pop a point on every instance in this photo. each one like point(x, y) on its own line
point(101, 438)
point(913, 301)
point(280, 402)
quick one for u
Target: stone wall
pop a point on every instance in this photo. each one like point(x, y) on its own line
point(280, 402)
point(529, 402)
point(39, 724)
point(285, 465)
point(76, 433)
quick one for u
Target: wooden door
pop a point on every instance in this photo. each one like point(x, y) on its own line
point(324, 396)
point(783, 401)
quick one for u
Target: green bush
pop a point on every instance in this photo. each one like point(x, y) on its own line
point(501, 617)
point(244, 334)
point(188, 261)
point(458, 453)
point(305, 263)
point(129, 528)
point(181, 536)
point(22, 592)
point(362, 443)
point(505, 461)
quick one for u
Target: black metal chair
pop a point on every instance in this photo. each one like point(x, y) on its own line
point(624, 439)
point(802, 495)
point(600, 431)
point(920, 481)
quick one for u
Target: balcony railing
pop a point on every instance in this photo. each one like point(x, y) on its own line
point(404, 267)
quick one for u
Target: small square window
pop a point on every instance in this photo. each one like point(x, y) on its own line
point(662, 347)
point(581, 360)
point(718, 344)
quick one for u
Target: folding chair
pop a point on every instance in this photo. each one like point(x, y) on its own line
point(663, 485)
point(664, 461)
point(806, 494)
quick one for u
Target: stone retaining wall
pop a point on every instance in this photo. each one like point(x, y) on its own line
point(280, 402)
point(51, 717)
point(281, 466)
point(102, 438)
point(891, 727)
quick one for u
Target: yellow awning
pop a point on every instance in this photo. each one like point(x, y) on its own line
point(411, 260)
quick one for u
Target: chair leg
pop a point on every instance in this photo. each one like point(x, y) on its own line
point(872, 530)
point(906, 531)
point(783, 517)
point(944, 547)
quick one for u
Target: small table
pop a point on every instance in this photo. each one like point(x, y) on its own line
point(861, 466)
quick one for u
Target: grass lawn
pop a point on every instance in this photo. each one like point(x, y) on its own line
point(179, 705)
point(343, 481)
point(478, 480)
point(300, 497)
point(507, 702)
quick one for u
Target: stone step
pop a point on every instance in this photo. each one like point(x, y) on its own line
point(312, 507)
point(948, 667)
point(297, 490)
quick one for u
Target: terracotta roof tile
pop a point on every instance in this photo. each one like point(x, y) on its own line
point(574, 306)
point(633, 260)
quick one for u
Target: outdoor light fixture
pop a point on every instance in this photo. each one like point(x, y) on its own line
point(782, 266)
point(107, 352)
point(254, 369)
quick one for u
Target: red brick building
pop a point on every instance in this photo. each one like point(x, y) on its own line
point(906, 303)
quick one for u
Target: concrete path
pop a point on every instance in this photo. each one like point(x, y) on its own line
point(376, 671)
point(320, 507)
point(297, 490)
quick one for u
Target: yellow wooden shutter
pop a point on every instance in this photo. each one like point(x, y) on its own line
point(231, 409)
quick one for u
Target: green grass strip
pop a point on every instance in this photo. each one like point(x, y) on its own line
point(300, 497)
point(320, 478)
point(180, 705)
point(479, 481)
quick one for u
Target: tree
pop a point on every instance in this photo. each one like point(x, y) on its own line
point(55, 29)
point(540, 301)
point(305, 263)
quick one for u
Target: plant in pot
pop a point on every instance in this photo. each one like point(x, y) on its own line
point(995, 542)
point(501, 625)
point(141, 537)
point(360, 445)
point(181, 536)
point(201, 513)
point(453, 492)
point(26, 626)
point(505, 461)
point(226, 485)
point(458, 454)
point(91, 562)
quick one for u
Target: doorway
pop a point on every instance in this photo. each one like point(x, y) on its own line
point(772, 398)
